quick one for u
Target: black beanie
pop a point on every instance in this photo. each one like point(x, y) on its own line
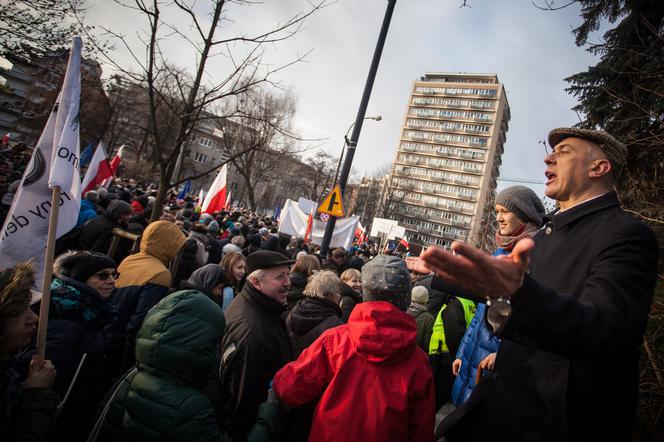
point(82, 265)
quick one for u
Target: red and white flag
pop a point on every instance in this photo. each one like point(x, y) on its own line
point(360, 233)
point(98, 171)
point(215, 200)
point(228, 200)
point(114, 165)
point(310, 226)
point(404, 242)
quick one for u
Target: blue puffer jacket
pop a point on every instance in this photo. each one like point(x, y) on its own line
point(88, 211)
point(478, 342)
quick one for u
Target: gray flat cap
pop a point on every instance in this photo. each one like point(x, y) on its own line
point(615, 151)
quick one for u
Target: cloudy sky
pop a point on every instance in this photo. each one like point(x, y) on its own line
point(530, 50)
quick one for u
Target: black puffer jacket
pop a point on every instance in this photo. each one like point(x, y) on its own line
point(97, 233)
point(349, 298)
point(78, 316)
point(298, 282)
point(309, 319)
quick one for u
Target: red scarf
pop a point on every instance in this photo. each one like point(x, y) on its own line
point(507, 242)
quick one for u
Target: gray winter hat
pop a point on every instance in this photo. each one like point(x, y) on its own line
point(523, 202)
point(386, 278)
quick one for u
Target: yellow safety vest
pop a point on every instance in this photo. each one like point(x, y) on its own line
point(438, 344)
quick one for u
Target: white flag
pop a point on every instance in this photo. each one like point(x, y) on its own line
point(54, 160)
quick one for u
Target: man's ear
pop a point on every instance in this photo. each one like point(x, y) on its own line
point(599, 168)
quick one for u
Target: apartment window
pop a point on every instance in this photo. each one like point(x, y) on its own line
point(201, 158)
point(203, 141)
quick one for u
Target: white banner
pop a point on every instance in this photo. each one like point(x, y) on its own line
point(382, 225)
point(23, 236)
point(294, 223)
point(396, 232)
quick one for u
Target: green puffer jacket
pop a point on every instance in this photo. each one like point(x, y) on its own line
point(176, 351)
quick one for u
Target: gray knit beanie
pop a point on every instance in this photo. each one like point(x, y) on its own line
point(386, 278)
point(523, 202)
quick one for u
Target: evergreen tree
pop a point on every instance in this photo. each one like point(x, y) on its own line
point(624, 93)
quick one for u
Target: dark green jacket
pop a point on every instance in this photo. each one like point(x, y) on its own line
point(176, 351)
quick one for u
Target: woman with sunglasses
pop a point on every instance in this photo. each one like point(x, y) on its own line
point(78, 315)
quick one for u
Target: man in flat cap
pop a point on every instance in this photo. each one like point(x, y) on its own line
point(567, 368)
point(256, 342)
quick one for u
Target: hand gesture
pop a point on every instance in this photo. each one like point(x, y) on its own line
point(488, 362)
point(456, 366)
point(40, 375)
point(475, 270)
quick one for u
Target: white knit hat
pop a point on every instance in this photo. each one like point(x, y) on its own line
point(420, 295)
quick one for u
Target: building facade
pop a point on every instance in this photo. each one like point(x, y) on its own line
point(448, 158)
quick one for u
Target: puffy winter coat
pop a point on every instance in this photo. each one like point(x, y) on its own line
point(477, 343)
point(144, 281)
point(374, 383)
point(78, 316)
point(97, 233)
point(88, 212)
point(176, 351)
point(309, 319)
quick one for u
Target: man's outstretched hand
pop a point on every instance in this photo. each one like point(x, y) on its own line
point(475, 270)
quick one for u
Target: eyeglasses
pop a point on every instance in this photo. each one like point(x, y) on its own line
point(103, 276)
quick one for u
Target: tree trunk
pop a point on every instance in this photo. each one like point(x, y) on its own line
point(161, 196)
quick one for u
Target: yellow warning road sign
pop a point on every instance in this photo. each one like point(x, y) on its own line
point(332, 203)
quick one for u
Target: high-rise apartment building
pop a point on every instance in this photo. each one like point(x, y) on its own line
point(446, 166)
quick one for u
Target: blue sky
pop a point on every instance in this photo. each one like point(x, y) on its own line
point(530, 50)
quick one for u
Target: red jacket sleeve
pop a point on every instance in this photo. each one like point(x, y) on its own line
point(304, 379)
point(422, 406)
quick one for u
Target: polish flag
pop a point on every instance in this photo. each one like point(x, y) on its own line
point(117, 159)
point(115, 163)
point(98, 171)
point(404, 242)
point(360, 233)
point(215, 200)
point(310, 226)
point(228, 200)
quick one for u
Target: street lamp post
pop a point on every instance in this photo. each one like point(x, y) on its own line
point(346, 142)
point(357, 126)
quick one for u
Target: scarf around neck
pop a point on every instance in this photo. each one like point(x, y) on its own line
point(507, 242)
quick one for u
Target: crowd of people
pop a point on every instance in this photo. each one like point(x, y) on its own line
point(216, 327)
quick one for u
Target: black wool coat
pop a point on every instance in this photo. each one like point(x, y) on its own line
point(567, 368)
point(255, 346)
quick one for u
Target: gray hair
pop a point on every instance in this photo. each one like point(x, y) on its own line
point(256, 275)
point(321, 284)
point(238, 240)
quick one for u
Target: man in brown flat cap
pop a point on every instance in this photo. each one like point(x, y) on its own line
point(567, 368)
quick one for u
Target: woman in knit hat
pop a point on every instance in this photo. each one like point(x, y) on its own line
point(27, 406)
point(519, 215)
point(79, 312)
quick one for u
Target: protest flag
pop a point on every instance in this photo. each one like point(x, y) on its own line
point(99, 170)
point(215, 200)
point(47, 202)
point(185, 190)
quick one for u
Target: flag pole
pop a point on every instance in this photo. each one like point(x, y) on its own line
point(48, 274)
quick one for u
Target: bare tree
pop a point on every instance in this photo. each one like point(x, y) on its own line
point(323, 167)
point(258, 138)
point(190, 96)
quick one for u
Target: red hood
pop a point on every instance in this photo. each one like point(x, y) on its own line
point(381, 333)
